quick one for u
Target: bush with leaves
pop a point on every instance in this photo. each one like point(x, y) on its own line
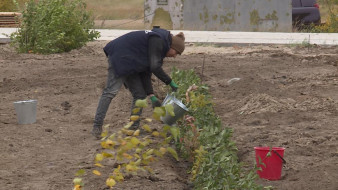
point(207, 142)
point(199, 136)
point(54, 26)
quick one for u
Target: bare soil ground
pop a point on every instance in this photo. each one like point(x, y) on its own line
point(286, 97)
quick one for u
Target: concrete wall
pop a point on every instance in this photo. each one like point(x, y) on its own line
point(225, 15)
point(173, 7)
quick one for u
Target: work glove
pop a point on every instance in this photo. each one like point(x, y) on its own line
point(155, 102)
point(173, 86)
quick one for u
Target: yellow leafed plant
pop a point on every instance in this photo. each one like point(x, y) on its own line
point(158, 113)
point(134, 117)
point(77, 187)
point(96, 172)
point(136, 133)
point(135, 151)
point(141, 103)
point(110, 182)
point(147, 128)
point(170, 109)
point(98, 157)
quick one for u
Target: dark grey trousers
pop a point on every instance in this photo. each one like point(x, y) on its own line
point(134, 84)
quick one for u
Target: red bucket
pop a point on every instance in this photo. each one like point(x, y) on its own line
point(272, 167)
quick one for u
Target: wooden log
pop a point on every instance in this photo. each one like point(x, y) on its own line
point(10, 14)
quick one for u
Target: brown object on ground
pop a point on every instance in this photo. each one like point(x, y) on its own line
point(286, 96)
point(9, 19)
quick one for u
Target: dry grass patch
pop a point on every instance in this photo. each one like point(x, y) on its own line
point(116, 9)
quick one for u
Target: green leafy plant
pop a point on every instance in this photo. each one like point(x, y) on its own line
point(53, 26)
point(203, 138)
point(199, 136)
point(185, 79)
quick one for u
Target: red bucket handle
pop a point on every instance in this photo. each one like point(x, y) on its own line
point(284, 162)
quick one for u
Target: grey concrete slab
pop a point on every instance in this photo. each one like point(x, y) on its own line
point(227, 37)
point(4, 40)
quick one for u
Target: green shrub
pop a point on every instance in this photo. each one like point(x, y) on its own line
point(54, 26)
point(203, 138)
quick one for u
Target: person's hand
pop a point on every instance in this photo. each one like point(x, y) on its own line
point(155, 102)
point(173, 86)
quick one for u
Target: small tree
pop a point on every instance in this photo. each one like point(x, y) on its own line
point(54, 26)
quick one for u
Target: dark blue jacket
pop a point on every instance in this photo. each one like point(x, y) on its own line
point(130, 51)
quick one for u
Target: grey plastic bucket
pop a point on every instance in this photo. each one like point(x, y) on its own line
point(179, 109)
point(26, 111)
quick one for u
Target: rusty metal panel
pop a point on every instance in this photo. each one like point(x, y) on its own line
point(264, 15)
point(209, 15)
point(155, 11)
point(222, 15)
point(238, 15)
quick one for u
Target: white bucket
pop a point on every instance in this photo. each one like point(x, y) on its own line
point(26, 111)
point(179, 110)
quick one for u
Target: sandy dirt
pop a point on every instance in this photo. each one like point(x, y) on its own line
point(286, 97)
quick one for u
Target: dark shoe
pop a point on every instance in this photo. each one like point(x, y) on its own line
point(135, 125)
point(96, 132)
